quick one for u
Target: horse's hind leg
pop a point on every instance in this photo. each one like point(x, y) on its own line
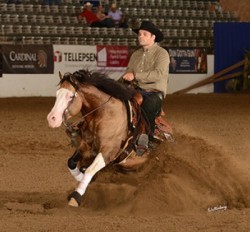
point(97, 165)
point(72, 165)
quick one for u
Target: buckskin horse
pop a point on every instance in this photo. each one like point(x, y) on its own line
point(101, 133)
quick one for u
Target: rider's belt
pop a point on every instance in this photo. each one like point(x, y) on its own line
point(159, 93)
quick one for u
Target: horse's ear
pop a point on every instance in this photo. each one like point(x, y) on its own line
point(72, 79)
point(60, 75)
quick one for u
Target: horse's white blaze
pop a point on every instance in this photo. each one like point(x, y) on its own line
point(55, 117)
point(96, 166)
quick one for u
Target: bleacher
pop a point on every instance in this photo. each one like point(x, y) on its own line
point(185, 23)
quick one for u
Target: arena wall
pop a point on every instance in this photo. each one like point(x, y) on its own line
point(35, 85)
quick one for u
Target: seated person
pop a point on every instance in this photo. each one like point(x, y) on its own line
point(117, 16)
point(102, 16)
point(91, 17)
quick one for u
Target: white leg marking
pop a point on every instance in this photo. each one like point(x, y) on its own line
point(96, 166)
point(83, 184)
point(76, 174)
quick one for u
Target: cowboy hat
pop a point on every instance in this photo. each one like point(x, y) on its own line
point(149, 26)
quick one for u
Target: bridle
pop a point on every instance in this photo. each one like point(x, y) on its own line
point(75, 125)
point(77, 122)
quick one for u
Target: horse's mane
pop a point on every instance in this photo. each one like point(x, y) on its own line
point(101, 81)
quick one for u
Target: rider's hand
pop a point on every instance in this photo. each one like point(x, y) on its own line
point(129, 76)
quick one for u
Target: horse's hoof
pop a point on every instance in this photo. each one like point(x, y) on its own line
point(73, 203)
point(134, 162)
point(74, 199)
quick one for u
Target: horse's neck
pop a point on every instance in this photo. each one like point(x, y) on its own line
point(93, 98)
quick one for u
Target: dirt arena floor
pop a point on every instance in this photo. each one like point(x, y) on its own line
point(200, 182)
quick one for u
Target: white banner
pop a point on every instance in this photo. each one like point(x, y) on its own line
point(72, 58)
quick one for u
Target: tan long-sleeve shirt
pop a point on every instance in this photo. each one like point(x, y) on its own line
point(150, 67)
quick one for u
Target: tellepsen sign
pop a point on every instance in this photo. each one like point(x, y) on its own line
point(72, 58)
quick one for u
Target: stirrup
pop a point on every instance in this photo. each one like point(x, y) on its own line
point(142, 144)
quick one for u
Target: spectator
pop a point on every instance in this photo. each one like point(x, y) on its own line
point(102, 16)
point(91, 18)
point(117, 16)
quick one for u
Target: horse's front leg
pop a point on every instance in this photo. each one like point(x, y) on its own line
point(72, 165)
point(84, 180)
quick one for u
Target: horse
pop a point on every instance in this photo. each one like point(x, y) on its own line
point(101, 134)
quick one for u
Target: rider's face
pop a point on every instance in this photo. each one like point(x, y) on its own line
point(145, 38)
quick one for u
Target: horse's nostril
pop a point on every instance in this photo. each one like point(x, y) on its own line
point(51, 118)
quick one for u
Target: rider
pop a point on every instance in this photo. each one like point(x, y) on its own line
point(149, 66)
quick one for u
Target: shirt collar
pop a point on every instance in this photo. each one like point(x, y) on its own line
point(152, 47)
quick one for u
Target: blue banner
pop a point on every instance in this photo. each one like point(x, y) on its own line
point(231, 42)
point(187, 60)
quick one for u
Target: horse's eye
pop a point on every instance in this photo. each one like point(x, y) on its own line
point(74, 95)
